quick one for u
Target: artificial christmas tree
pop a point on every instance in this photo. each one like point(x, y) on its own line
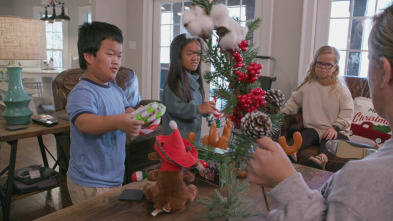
point(234, 80)
point(235, 77)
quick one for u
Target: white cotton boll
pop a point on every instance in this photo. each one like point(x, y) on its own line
point(237, 29)
point(188, 17)
point(228, 41)
point(219, 14)
point(197, 22)
point(242, 30)
point(206, 24)
point(198, 11)
point(173, 124)
point(194, 28)
point(229, 24)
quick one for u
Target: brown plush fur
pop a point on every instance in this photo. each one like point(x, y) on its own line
point(170, 193)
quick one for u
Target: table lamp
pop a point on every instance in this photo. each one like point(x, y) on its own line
point(21, 39)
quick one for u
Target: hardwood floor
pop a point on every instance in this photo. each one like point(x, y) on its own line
point(41, 204)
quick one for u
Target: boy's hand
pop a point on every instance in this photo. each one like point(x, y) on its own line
point(207, 108)
point(129, 110)
point(128, 124)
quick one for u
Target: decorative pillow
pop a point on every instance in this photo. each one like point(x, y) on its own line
point(366, 123)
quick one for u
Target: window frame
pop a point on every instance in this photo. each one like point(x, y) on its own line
point(315, 29)
point(37, 12)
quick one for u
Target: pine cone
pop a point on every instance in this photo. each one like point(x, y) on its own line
point(274, 101)
point(256, 124)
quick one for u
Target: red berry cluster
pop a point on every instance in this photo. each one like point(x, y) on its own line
point(253, 69)
point(237, 57)
point(243, 45)
point(247, 103)
point(250, 77)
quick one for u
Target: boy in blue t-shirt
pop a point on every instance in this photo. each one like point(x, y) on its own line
point(99, 115)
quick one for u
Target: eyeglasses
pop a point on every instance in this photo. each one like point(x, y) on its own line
point(325, 65)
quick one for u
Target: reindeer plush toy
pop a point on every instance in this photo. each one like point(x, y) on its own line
point(170, 193)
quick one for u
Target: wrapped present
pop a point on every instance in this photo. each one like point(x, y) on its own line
point(151, 114)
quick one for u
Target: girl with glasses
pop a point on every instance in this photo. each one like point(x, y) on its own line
point(183, 93)
point(327, 105)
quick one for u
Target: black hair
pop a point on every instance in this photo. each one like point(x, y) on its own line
point(177, 73)
point(90, 36)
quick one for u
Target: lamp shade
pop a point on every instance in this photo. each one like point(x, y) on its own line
point(22, 38)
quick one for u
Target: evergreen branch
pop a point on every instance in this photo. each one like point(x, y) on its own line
point(234, 206)
point(252, 25)
point(277, 122)
point(240, 146)
point(205, 4)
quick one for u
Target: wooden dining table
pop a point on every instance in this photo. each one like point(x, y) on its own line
point(108, 206)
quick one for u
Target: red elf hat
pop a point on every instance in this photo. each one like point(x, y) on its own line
point(174, 148)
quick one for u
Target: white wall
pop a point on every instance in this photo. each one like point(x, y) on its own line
point(114, 12)
point(73, 12)
point(285, 44)
point(6, 7)
point(135, 58)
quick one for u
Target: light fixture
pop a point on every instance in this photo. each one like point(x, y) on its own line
point(21, 39)
point(53, 18)
point(46, 15)
point(62, 16)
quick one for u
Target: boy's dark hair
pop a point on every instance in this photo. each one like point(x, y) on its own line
point(176, 73)
point(90, 36)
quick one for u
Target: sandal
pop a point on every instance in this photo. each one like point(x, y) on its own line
point(318, 162)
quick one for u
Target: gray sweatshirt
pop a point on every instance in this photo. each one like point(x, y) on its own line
point(361, 190)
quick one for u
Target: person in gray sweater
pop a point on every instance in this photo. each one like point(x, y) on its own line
point(362, 189)
point(326, 102)
point(183, 93)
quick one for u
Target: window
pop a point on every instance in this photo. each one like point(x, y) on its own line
point(54, 43)
point(56, 38)
point(171, 26)
point(350, 25)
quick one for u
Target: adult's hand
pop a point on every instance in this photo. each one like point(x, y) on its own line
point(269, 166)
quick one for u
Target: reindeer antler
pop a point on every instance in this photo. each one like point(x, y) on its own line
point(297, 138)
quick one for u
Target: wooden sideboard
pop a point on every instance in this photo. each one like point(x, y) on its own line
point(109, 207)
point(12, 137)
